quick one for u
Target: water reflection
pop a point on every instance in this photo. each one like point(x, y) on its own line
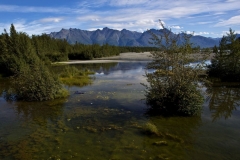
point(4, 83)
point(34, 130)
point(223, 101)
point(106, 122)
point(97, 67)
point(39, 112)
point(126, 72)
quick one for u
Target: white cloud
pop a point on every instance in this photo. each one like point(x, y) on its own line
point(94, 29)
point(175, 27)
point(22, 26)
point(52, 19)
point(202, 33)
point(88, 18)
point(219, 13)
point(204, 22)
point(145, 22)
point(173, 7)
point(189, 32)
point(232, 21)
point(127, 2)
point(37, 27)
point(92, 3)
point(227, 31)
point(33, 9)
point(136, 15)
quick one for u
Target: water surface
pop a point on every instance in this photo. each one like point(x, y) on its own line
point(106, 122)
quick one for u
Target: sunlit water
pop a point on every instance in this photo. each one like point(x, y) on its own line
point(106, 122)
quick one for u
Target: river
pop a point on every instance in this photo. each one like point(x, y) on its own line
point(106, 122)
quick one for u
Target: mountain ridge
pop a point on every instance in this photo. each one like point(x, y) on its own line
point(121, 38)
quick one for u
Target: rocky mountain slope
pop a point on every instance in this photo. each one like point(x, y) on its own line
point(120, 38)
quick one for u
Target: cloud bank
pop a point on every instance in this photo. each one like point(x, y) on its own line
point(138, 15)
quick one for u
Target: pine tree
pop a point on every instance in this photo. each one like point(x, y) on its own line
point(31, 79)
point(226, 62)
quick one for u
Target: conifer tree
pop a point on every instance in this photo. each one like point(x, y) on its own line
point(226, 62)
point(31, 79)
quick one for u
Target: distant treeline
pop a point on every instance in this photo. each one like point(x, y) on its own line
point(123, 49)
point(53, 50)
point(86, 52)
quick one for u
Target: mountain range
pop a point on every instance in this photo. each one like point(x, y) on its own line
point(121, 38)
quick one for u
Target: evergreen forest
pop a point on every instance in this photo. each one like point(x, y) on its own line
point(26, 61)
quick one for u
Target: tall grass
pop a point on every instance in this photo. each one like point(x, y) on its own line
point(71, 76)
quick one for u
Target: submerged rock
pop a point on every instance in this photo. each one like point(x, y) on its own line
point(78, 92)
point(160, 143)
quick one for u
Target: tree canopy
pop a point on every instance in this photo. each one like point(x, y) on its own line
point(31, 78)
point(226, 62)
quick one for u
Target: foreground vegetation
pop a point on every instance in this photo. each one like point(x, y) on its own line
point(27, 61)
point(71, 76)
point(226, 62)
point(32, 79)
point(173, 87)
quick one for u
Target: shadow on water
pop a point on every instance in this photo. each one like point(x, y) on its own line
point(4, 84)
point(36, 125)
point(40, 112)
point(224, 99)
point(27, 128)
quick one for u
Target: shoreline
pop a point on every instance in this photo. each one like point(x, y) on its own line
point(98, 61)
point(126, 57)
point(122, 57)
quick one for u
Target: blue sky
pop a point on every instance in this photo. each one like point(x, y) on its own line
point(209, 18)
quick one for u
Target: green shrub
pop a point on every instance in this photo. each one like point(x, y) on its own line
point(35, 83)
point(177, 99)
point(172, 88)
point(70, 72)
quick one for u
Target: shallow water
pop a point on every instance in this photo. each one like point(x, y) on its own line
point(106, 122)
